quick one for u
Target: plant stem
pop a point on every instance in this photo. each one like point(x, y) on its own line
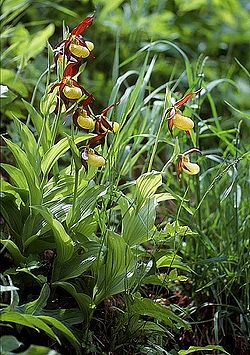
point(75, 190)
point(158, 135)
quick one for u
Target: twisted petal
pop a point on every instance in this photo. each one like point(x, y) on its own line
point(81, 27)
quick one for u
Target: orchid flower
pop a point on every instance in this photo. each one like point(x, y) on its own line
point(82, 115)
point(185, 165)
point(175, 117)
point(69, 89)
point(76, 47)
point(103, 124)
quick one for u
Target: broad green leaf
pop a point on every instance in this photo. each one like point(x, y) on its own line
point(174, 229)
point(193, 349)
point(39, 350)
point(21, 195)
point(8, 77)
point(62, 328)
point(64, 243)
point(13, 250)
point(55, 152)
point(40, 279)
point(28, 171)
point(16, 175)
point(75, 153)
point(9, 343)
point(41, 125)
point(54, 191)
point(84, 301)
point(116, 272)
point(11, 213)
point(84, 205)
point(76, 266)
point(35, 117)
point(137, 223)
point(164, 196)
point(28, 321)
point(148, 307)
point(29, 143)
point(68, 316)
point(146, 185)
point(39, 41)
point(37, 305)
point(171, 260)
point(48, 103)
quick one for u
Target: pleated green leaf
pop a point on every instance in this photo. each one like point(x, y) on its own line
point(116, 272)
point(148, 307)
point(28, 320)
point(55, 152)
point(62, 328)
point(28, 171)
point(64, 244)
point(13, 250)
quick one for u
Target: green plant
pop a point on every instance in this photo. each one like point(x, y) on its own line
point(93, 240)
point(67, 231)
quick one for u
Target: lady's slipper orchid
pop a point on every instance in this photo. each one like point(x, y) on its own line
point(69, 89)
point(175, 117)
point(186, 166)
point(182, 122)
point(103, 124)
point(75, 47)
point(85, 121)
point(82, 116)
point(90, 157)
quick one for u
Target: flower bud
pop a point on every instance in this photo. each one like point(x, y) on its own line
point(190, 168)
point(95, 159)
point(79, 51)
point(182, 122)
point(90, 45)
point(84, 121)
point(72, 92)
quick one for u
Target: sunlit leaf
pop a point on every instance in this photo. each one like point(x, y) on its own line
point(193, 349)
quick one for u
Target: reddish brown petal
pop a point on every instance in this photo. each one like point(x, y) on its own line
point(87, 101)
point(81, 27)
point(179, 165)
point(93, 142)
point(109, 107)
point(188, 133)
point(54, 86)
point(105, 123)
point(84, 158)
point(72, 69)
point(170, 125)
point(183, 99)
point(98, 128)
